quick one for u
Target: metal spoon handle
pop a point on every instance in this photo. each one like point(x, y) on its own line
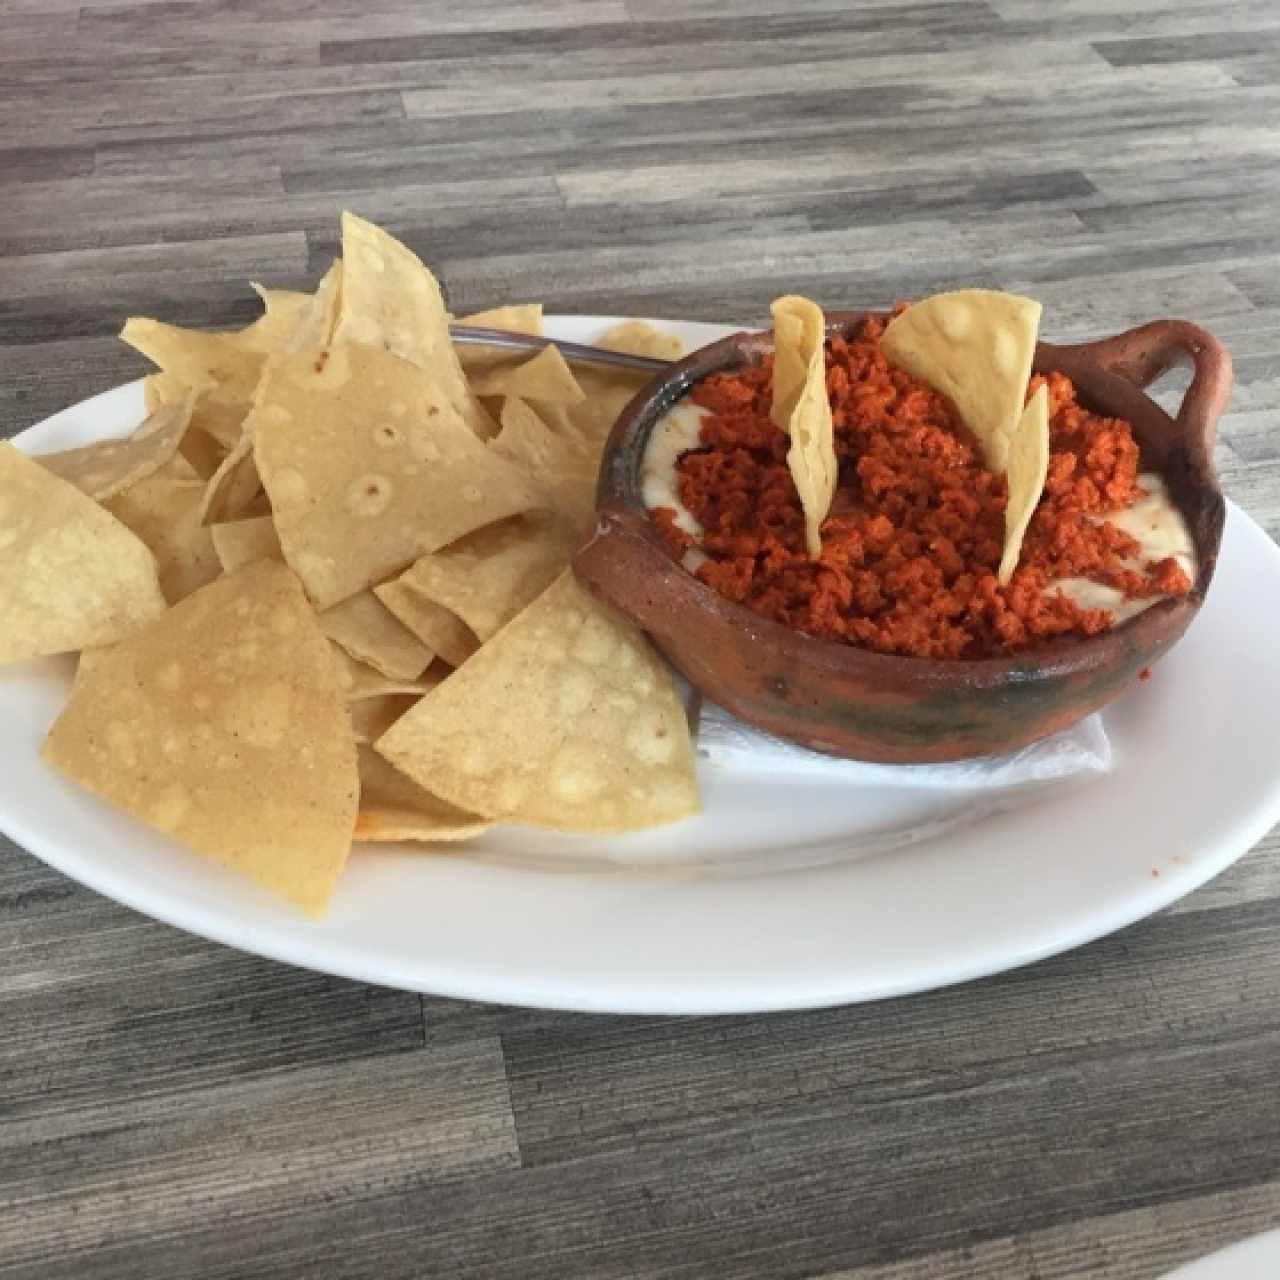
point(575, 351)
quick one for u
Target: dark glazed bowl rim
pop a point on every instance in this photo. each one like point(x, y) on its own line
point(1123, 365)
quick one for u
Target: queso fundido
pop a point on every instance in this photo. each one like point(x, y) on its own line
point(914, 536)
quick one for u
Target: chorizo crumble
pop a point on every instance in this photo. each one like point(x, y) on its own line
point(913, 541)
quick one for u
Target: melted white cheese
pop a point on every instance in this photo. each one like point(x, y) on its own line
point(1160, 531)
point(678, 431)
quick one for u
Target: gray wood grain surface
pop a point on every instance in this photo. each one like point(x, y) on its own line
point(170, 1108)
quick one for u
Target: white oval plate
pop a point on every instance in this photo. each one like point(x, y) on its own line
point(1196, 784)
point(1255, 1259)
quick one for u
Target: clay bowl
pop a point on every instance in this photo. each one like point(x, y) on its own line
point(867, 706)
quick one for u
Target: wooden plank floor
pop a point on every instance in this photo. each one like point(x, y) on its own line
point(172, 1109)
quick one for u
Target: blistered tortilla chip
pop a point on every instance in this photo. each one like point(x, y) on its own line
point(231, 489)
point(489, 576)
point(565, 719)
point(390, 300)
point(1027, 470)
point(393, 807)
point(640, 338)
point(371, 634)
point(222, 725)
point(358, 681)
point(195, 358)
point(164, 511)
point(561, 471)
point(801, 409)
point(372, 717)
point(974, 346)
point(105, 468)
point(443, 632)
point(368, 467)
point(544, 377)
point(241, 542)
point(71, 575)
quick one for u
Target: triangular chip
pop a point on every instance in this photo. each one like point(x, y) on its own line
point(393, 807)
point(164, 511)
point(195, 358)
point(443, 632)
point(519, 318)
point(390, 300)
point(241, 542)
point(368, 467)
point(1027, 471)
point(489, 576)
point(230, 491)
point(545, 377)
point(560, 470)
point(222, 724)
point(71, 575)
point(105, 468)
point(801, 409)
point(565, 719)
point(370, 633)
point(358, 681)
point(974, 346)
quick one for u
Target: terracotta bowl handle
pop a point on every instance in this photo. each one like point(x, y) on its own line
point(1141, 355)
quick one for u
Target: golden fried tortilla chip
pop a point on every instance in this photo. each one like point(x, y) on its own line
point(443, 632)
point(545, 377)
point(368, 467)
point(393, 807)
point(371, 634)
point(390, 300)
point(319, 320)
point(283, 311)
point(489, 576)
point(71, 575)
point(105, 468)
point(359, 681)
point(1028, 468)
point(801, 409)
point(372, 717)
point(164, 511)
point(192, 358)
point(565, 719)
point(975, 346)
point(222, 724)
point(241, 542)
point(232, 488)
point(561, 471)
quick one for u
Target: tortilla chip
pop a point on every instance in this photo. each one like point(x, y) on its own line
point(443, 632)
point(231, 489)
point(283, 312)
point(975, 347)
point(368, 467)
point(565, 719)
point(370, 633)
point(489, 576)
point(1027, 471)
point(393, 807)
point(222, 725)
point(164, 511)
point(609, 391)
point(390, 300)
point(358, 681)
point(520, 317)
point(561, 470)
point(545, 377)
point(372, 717)
point(105, 468)
point(194, 358)
point(71, 575)
point(316, 325)
point(241, 542)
